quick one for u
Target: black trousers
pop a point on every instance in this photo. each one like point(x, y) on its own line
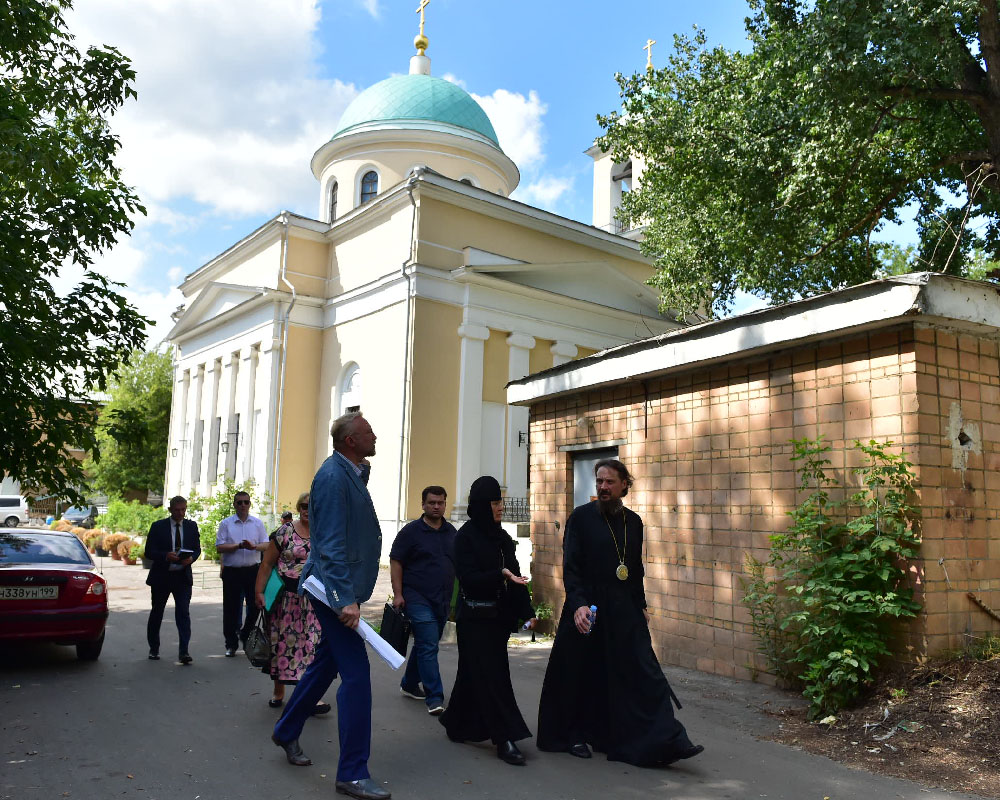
point(175, 584)
point(238, 584)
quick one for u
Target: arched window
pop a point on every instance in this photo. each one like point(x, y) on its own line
point(333, 202)
point(369, 186)
point(350, 390)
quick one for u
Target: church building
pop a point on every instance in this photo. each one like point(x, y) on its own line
point(419, 291)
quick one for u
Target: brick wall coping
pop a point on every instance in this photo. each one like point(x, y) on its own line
point(925, 297)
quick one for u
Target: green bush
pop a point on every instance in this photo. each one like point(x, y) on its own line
point(838, 580)
point(130, 517)
point(209, 510)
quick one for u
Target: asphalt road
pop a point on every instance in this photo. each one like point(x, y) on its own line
point(128, 727)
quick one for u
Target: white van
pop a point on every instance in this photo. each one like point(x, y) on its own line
point(13, 510)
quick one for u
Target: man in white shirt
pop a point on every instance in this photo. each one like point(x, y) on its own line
point(240, 540)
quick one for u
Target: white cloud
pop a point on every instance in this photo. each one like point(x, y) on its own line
point(230, 109)
point(518, 122)
point(371, 6)
point(452, 78)
point(175, 274)
point(544, 192)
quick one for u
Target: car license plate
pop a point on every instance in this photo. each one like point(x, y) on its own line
point(29, 592)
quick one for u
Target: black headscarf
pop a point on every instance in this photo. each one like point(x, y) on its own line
point(484, 490)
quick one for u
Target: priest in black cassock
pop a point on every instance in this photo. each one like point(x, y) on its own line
point(603, 685)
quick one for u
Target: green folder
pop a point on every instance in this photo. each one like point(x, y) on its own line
point(274, 586)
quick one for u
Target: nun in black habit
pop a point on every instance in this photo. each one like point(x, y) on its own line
point(493, 598)
point(603, 685)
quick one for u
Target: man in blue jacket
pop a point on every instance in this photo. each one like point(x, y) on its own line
point(346, 543)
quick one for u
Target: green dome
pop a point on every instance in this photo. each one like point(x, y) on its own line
point(418, 102)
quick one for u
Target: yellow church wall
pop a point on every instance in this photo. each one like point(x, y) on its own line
point(298, 442)
point(453, 227)
point(393, 161)
point(495, 355)
point(368, 253)
point(308, 265)
point(433, 431)
point(584, 351)
point(375, 343)
point(540, 356)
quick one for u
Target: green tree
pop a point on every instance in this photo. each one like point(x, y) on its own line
point(133, 426)
point(768, 171)
point(62, 202)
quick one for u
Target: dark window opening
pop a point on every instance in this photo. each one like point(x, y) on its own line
point(333, 202)
point(369, 186)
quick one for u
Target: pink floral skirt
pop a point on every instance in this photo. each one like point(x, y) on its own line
point(295, 633)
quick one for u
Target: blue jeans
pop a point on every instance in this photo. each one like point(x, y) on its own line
point(340, 650)
point(423, 664)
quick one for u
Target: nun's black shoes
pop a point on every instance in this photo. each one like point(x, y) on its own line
point(508, 752)
point(688, 752)
point(580, 750)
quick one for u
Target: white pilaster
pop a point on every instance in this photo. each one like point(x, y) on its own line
point(470, 412)
point(520, 346)
point(210, 402)
point(562, 352)
point(244, 407)
point(181, 442)
point(230, 372)
point(270, 365)
point(177, 403)
point(195, 447)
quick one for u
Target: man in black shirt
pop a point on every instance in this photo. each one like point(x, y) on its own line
point(422, 568)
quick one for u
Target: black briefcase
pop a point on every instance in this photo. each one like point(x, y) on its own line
point(395, 629)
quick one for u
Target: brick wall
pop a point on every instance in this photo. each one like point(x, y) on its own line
point(711, 452)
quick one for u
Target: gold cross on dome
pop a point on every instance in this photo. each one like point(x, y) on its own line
point(649, 52)
point(420, 11)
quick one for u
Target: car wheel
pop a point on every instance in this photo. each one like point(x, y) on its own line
point(89, 651)
point(12, 522)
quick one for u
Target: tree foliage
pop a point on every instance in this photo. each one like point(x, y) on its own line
point(133, 426)
point(62, 202)
point(769, 171)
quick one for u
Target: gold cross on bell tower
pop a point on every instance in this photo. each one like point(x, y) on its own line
point(420, 42)
point(649, 53)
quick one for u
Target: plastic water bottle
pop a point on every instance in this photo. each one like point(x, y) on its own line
point(593, 618)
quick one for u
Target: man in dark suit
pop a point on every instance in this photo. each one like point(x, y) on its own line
point(172, 545)
point(346, 543)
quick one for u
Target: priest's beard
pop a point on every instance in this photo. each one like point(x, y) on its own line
point(610, 507)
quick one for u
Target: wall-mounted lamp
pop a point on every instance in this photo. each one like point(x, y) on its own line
point(522, 438)
point(173, 452)
point(225, 447)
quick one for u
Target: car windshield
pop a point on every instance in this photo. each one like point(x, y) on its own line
point(41, 548)
point(76, 511)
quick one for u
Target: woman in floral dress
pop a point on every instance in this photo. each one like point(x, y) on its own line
point(294, 629)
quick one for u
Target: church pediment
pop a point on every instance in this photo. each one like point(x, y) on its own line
point(212, 302)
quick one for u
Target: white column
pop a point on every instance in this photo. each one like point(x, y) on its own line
point(562, 352)
point(470, 413)
point(519, 353)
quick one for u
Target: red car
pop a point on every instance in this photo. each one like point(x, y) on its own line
point(50, 591)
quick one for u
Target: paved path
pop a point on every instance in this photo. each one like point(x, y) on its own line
point(128, 727)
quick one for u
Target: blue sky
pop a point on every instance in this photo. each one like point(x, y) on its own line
point(236, 95)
